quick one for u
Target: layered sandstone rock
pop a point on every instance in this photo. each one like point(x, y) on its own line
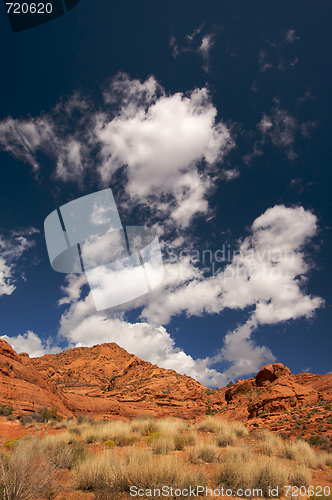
point(270, 373)
point(25, 388)
point(108, 382)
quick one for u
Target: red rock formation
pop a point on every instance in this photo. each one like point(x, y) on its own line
point(107, 381)
point(24, 388)
point(270, 373)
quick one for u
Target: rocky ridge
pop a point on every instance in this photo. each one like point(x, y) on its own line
point(107, 382)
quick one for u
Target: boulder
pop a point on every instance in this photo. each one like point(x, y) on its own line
point(270, 373)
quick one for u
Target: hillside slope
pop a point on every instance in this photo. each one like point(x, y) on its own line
point(106, 381)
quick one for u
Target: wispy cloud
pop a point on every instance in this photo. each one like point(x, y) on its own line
point(291, 36)
point(279, 127)
point(12, 248)
point(200, 42)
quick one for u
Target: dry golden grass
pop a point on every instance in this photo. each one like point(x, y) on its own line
point(301, 452)
point(325, 458)
point(105, 431)
point(208, 452)
point(242, 469)
point(137, 467)
point(162, 445)
point(171, 426)
point(269, 444)
point(26, 471)
point(226, 433)
point(155, 462)
point(144, 426)
point(191, 437)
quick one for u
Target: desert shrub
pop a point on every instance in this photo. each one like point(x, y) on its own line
point(109, 443)
point(239, 429)
point(227, 433)
point(65, 452)
point(122, 440)
point(103, 431)
point(80, 419)
point(222, 427)
point(207, 452)
point(207, 425)
point(302, 453)
point(26, 420)
point(179, 442)
point(26, 471)
point(153, 437)
point(74, 430)
point(134, 439)
point(226, 437)
point(269, 437)
point(269, 443)
point(42, 415)
point(60, 425)
point(300, 476)
point(13, 442)
point(266, 448)
point(324, 459)
point(6, 411)
point(315, 440)
point(241, 469)
point(191, 438)
point(141, 468)
point(171, 426)
point(144, 426)
point(163, 445)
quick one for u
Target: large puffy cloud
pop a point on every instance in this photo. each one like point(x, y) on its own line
point(160, 140)
point(11, 250)
point(266, 272)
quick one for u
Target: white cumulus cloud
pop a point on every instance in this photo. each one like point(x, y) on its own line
point(30, 342)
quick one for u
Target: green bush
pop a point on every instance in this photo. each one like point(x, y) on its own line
point(12, 442)
point(153, 437)
point(6, 411)
point(179, 442)
point(315, 440)
point(121, 441)
point(109, 443)
point(133, 439)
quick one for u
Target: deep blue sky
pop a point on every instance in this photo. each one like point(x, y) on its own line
point(268, 59)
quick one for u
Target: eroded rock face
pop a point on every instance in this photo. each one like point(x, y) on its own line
point(106, 381)
point(280, 395)
point(24, 388)
point(240, 387)
point(7, 350)
point(270, 373)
